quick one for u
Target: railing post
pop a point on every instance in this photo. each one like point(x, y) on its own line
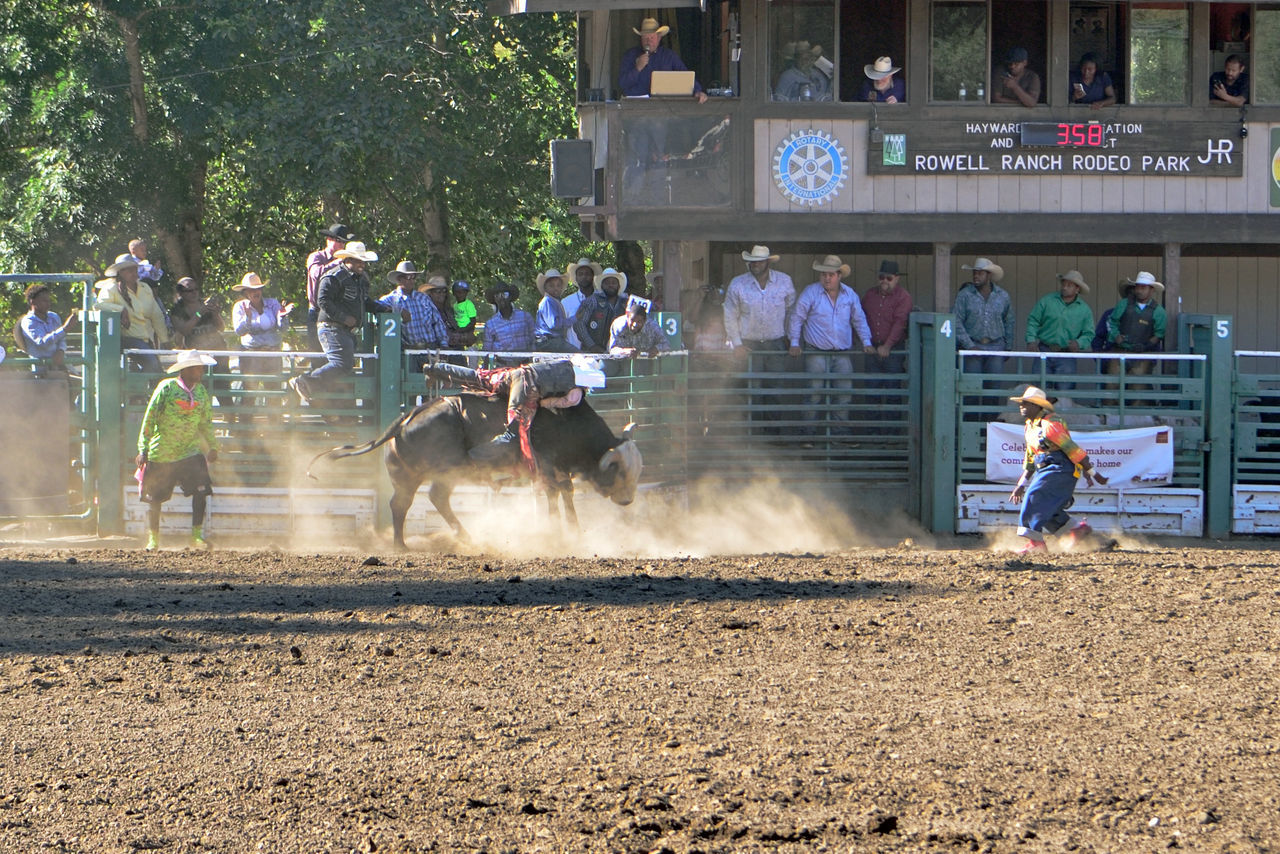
point(109, 419)
point(1214, 336)
point(389, 400)
point(932, 433)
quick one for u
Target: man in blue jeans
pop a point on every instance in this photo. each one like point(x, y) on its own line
point(343, 298)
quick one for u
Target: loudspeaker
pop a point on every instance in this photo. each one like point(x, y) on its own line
point(571, 174)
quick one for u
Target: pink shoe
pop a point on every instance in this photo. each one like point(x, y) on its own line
point(1079, 532)
point(1033, 547)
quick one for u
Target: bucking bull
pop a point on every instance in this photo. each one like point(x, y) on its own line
point(448, 441)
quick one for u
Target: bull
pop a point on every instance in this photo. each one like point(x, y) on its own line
point(433, 443)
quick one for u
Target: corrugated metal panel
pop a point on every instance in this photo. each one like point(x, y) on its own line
point(983, 508)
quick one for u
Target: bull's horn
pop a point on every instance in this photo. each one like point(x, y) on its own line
point(611, 457)
point(627, 431)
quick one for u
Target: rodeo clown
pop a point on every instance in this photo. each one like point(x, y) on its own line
point(527, 387)
point(1053, 465)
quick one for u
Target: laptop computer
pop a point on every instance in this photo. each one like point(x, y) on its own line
point(669, 83)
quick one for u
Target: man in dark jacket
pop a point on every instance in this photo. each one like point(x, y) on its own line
point(598, 311)
point(343, 298)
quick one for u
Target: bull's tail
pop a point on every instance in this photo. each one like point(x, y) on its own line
point(342, 451)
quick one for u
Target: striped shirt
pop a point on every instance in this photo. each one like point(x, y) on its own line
point(510, 335)
point(426, 326)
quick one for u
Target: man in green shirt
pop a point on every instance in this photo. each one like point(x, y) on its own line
point(176, 445)
point(1062, 322)
point(464, 310)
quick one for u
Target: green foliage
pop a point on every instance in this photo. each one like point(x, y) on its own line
point(1159, 56)
point(958, 55)
point(422, 123)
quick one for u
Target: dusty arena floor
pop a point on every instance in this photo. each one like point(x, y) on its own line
point(878, 699)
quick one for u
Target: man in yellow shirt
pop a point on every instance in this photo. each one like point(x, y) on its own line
point(142, 320)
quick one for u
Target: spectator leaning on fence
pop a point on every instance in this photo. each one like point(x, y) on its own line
point(45, 332)
point(756, 307)
point(1062, 322)
point(598, 311)
point(510, 330)
point(142, 319)
point(634, 334)
point(425, 329)
point(260, 322)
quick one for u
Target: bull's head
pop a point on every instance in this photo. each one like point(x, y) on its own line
point(621, 469)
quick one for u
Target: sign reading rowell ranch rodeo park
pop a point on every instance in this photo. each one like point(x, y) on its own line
point(1067, 147)
point(1141, 456)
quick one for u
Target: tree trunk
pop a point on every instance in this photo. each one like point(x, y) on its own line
point(630, 257)
point(184, 244)
point(435, 227)
point(133, 57)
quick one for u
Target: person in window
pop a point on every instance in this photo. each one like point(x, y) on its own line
point(1091, 85)
point(802, 79)
point(881, 85)
point(1230, 86)
point(1015, 82)
point(639, 63)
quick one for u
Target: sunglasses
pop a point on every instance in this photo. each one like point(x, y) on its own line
point(883, 276)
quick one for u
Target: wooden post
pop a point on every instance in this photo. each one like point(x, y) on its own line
point(1172, 279)
point(941, 277)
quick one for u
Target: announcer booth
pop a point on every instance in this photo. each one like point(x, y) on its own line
point(1157, 174)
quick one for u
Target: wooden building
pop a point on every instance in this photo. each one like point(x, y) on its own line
point(1168, 179)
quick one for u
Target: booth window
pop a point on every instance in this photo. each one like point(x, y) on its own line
point(870, 29)
point(1159, 55)
point(1096, 29)
point(1230, 35)
point(957, 51)
point(801, 44)
point(706, 42)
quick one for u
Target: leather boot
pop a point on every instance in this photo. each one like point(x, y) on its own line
point(503, 446)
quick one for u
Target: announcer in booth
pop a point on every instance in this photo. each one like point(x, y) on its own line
point(639, 63)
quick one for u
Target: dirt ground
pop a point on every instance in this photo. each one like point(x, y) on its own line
point(874, 699)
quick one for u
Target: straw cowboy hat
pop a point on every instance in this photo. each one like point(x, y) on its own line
point(831, 264)
point(799, 50)
point(356, 249)
point(760, 253)
point(191, 359)
point(123, 262)
point(997, 272)
point(880, 69)
point(1036, 396)
point(250, 282)
point(1143, 279)
point(572, 272)
point(553, 273)
point(1075, 276)
point(436, 283)
point(404, 268)
point(649, 26)
point(610, 273)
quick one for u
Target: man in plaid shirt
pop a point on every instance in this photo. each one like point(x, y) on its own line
point(425, 329)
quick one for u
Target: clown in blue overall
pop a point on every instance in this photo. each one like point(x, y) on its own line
point(1053, 465)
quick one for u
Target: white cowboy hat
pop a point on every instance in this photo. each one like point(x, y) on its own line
point(649, 26)
point(997, 272)
point(122, 262)
point(1075, 276)
point(759, 253)
point(831, 264)
point(435, 283)
point(190, 359)
point(356, 249)
point(572, 272)
point(404, 268)
point(880, 69)
point(553, 273)
point(250, 282)
point(1036, 396)
point(609, 272)
point(1144, 279)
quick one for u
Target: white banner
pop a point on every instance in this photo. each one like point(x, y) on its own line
point(1142, 456)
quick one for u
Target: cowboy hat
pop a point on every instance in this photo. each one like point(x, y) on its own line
point(997, 272)
point(338, 231)
point(1074, 276)
point(880, 69)
point(760, 253)
point(1036, 396)
point(572, 272)
point(404, 268)
point(123, 262)
point(250, 282)
point(435, 283)
point(1144, 278)
point(504, 287)
point(191, 359)
point(649, 26)
point(610, 273)
point(186, 283)
point(888, 268)
point(831, 264)
point(553, 273)
point(355, 249)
